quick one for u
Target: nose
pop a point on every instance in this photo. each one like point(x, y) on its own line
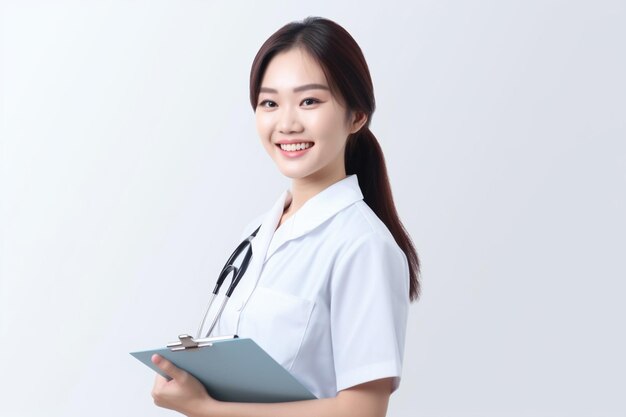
point(289, 121)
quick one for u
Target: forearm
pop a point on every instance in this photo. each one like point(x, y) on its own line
point(312, 408)
point(367, 400)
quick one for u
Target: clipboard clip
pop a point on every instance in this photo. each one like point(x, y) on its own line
point(188, 342)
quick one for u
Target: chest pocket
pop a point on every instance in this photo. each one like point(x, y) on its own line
point(277, 322)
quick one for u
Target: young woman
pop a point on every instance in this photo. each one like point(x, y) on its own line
point(333, 270)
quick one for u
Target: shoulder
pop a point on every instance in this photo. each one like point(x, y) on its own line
point(357, 225)
point(359, 236)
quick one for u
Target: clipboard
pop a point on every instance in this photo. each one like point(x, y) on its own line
point(231, 369)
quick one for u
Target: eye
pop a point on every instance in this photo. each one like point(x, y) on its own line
point(311, 100)
point(264, 102)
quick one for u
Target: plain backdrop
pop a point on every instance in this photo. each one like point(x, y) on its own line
point(130, 165)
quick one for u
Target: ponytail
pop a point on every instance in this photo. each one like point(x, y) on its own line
point(364, 157)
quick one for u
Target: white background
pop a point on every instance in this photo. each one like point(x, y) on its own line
point(130, 165)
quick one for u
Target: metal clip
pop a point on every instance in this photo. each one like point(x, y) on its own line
point(187, 342)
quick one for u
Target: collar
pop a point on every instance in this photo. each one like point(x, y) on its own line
point(312, 214)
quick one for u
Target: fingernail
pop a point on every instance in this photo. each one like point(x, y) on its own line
point(156, 358)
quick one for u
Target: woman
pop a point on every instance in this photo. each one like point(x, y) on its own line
point(333, 270)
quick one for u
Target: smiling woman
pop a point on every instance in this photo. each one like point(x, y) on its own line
point(332, 269)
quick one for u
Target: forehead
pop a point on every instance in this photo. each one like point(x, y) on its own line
point(292, 68)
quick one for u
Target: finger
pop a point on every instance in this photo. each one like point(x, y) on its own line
point(168, 367)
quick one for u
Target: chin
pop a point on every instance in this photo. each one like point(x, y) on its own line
point(290, 170)
point(293, 174)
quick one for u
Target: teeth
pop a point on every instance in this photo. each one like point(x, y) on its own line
point(295, 146)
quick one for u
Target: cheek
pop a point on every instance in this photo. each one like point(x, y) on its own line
point(264, 130)
point(328, 127)
point(321, 125)
point(263, 126)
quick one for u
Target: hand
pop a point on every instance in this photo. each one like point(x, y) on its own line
point(182, 393)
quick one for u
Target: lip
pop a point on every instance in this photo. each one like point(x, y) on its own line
point(288, 141)
point(294, 154)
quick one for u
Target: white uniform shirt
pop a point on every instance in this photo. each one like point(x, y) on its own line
point(326, 294)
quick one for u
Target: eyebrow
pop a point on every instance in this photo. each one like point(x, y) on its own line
point(297, 89)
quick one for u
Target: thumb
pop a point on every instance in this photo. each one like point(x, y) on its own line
point(168, 367)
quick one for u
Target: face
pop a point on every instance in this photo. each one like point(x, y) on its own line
point(302, 125)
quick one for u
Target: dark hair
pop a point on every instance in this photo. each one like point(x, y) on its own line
point(349, 79)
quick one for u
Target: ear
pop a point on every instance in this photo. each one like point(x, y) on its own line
point(358, 119)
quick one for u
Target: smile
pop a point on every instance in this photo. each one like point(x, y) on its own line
point(292, 147)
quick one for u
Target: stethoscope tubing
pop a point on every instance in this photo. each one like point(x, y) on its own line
point(226, 270)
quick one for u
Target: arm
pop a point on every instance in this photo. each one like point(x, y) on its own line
point(186, 394)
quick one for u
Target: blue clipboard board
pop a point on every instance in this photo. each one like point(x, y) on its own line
point(233, 369)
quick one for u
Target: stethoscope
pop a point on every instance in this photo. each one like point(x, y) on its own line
point(237, 272)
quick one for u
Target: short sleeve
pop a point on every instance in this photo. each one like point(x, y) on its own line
point(368, 311)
